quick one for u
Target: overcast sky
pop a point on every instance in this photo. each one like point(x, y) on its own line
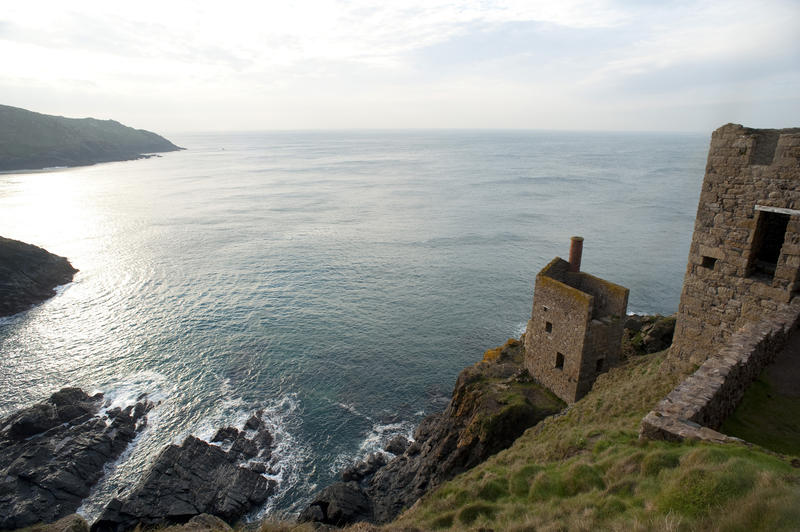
point(174, 66)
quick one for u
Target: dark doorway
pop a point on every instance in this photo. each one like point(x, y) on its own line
point(767, 243)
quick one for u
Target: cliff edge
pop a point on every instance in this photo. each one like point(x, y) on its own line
point(493, 402)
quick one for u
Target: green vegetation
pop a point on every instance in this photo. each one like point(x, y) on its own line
point(31, 140)
point(587, 470)
point(779, 431)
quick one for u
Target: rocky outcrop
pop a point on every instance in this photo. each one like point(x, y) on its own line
point(28, 275)
point(31, 140)
point(493, 403)
point(643, 335)
point(196, 478)
point(52, 453)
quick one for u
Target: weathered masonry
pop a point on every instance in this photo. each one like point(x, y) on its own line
point(738, 307)
point(575, 329)
point(744, 260)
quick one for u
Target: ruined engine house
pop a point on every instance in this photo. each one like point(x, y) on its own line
point(575, 329)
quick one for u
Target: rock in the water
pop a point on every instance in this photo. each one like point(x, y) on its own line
point(492, 405)
point(195, 478)
point(52, 453)
point(364, 468)
point(28, 275)
point(339, 504)
point(397, 445)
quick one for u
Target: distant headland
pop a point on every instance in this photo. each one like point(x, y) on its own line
point(32, 141)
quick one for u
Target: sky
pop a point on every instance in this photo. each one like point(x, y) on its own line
point(182, 66)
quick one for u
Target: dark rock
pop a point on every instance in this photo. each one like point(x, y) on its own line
point(195, 478)
point(225, 434)
point(255, 422)
point(52, 453)
point(340, 504)
point(491, 406)
point(364, 468)
point(397, 445)
point(28, 275)
point(240, 446)
point(647, 334)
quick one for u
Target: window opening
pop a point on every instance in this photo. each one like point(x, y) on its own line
point(599, 365)
point(709, 262)
point(548, 327)
point(559, 361)
point(767, 243)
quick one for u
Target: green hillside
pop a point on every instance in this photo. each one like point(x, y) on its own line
point(31, 140)
point(587, 470)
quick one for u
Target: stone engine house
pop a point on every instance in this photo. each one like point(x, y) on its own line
point(575, 329)
point(744, 260)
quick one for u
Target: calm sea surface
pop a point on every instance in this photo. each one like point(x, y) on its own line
point(339, 280)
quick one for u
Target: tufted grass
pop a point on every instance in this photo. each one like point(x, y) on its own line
point(587, 470)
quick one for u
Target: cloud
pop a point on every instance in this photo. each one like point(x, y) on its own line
point(508, 63)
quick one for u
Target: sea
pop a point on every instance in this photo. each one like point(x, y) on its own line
point(338, 280)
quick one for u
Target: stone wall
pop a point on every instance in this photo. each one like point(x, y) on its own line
point(609, 299)
point(601, 350)
point(750, 175)
point(697, 407)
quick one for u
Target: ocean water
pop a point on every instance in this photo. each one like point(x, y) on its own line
point(338, 280)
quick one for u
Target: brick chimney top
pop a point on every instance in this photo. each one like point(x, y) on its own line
point(575, 252)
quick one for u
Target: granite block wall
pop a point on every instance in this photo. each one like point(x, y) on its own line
point(752, 182)
point(699, 405)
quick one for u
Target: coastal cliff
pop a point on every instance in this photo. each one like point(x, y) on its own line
point(493, 402)
point(30, 141)
point(28, 275)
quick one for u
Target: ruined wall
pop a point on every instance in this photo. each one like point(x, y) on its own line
point(601, 350)
point(567, 319)
point(700, 404)
point(724, 288)
point(609, 299)
point(568, 311)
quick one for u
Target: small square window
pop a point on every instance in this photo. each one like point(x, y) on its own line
point(709, 262)
point(559, 361)
point(548, 327)
point(545, 308)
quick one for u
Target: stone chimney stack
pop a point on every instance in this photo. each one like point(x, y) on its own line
point(575, 252)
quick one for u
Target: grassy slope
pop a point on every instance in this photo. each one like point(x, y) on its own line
point(779, 431)
point(587, 470)
point(32, 138)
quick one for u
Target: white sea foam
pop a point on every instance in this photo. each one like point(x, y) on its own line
point(128, 391)
point(121, 394)
point(287, 464)
point(60, 289)
point(375, 441)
